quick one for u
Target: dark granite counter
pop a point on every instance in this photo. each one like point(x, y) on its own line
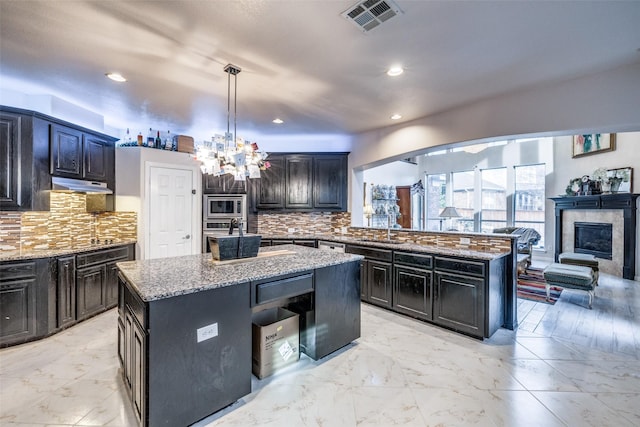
point(157, 279)
point(52, 253)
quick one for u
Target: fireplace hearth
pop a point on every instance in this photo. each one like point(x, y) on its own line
point(593, 238)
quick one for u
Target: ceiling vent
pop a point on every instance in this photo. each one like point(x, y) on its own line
point(369, 14)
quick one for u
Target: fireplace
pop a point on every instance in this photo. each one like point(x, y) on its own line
point(593, 238)
point(600, 205)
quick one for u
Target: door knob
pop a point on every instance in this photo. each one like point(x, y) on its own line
point(188, 236)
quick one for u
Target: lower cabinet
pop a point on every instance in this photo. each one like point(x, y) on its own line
point(91, 290)
point(412, 292)
point(459, 303)
point(66, 291)
point(18, 282)
point(375, 274)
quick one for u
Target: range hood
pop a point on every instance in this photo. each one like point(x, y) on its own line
point(79, 186)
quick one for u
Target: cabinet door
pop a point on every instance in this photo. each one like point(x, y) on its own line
point(459, 303)
point(66, 151)
point(18, 308)
point(412, 292)
point(364, 284)
point(330, 183)
point(66, 290)
point(10, 162)
point(271, 185)
point(299, 182)
point(379, 278)
point(90, 290)
point(222, 184)
point(138, 378)
point(96, 158)
point(111, 284)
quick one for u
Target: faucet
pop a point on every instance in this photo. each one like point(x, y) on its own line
point(236, 222)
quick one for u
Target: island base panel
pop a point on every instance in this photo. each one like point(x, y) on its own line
point(189, 380)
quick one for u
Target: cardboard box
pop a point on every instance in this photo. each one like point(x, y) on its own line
point(184, 144)
point(276, 341)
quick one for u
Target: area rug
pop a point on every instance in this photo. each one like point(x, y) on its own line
point(531, 286)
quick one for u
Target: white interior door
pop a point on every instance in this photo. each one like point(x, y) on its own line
point(169, 218)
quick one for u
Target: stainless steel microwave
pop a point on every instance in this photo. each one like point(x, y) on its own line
point(216, 206)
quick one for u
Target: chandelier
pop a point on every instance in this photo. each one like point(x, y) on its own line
point(228, 153)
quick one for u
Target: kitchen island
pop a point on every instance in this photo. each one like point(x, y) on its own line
point(184, 327)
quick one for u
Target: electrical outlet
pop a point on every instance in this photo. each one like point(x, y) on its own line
point(465, 241)
point(207, 332)
point(344, 230)
point(291, 230)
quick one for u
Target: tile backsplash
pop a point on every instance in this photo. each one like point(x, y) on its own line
point(66, 225)
point(303, 223)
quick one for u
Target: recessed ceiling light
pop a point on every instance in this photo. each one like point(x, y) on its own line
point(396, 117)
point(278, 121)
point(395, 71)
point(116, 77)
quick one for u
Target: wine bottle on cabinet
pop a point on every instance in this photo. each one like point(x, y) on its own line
point(140, 139)
point(150, 138)
point(167, 141)
point(158, 142)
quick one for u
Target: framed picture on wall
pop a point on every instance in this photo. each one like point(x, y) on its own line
point(583, 145)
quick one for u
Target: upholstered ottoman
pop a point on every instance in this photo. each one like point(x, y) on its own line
point(586, 260)
point(570, 277)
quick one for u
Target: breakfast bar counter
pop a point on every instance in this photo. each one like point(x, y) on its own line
point(184, 326)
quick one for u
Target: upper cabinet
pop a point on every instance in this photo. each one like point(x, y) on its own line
point(82, 155)
point(33, 147)
point(303, 182)
point(222, 184)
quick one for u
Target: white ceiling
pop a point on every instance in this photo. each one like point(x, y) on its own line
point(300, 59)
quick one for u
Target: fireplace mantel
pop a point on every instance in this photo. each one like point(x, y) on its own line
point(623, 201)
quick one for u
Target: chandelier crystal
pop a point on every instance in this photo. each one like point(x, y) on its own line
point(228, 153)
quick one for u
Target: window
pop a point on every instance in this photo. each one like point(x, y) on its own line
point(436, 194)
point(463, 199)
point(494, 199)
point(529, 198)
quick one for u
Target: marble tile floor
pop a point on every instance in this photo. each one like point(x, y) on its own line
point(400, 372)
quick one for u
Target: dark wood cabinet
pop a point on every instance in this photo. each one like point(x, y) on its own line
point(18, 282)
point(24, 157)
point(91, 290)
point(34, 146)
point(413, 284)
point(66, 291)
point(303, 182)
point(97, 279)
point(277, 242)
point(412, 292)
point(270, 186)
point(66, 151)
point(299, 182)
point(376, 277)
point(330, 178)
point(82, 155)
point(458, 302)
point(222, 184)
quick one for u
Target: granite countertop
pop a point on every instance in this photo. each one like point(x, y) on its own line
point(407, 247)
point(52, 253)
point(156, 279)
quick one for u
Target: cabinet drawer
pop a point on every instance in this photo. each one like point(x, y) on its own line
point(283, 288)
point(135, 304)
point(17, 270)
point(459, 266)
point(370, 253)
point(414, 260)
point(97, 257)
